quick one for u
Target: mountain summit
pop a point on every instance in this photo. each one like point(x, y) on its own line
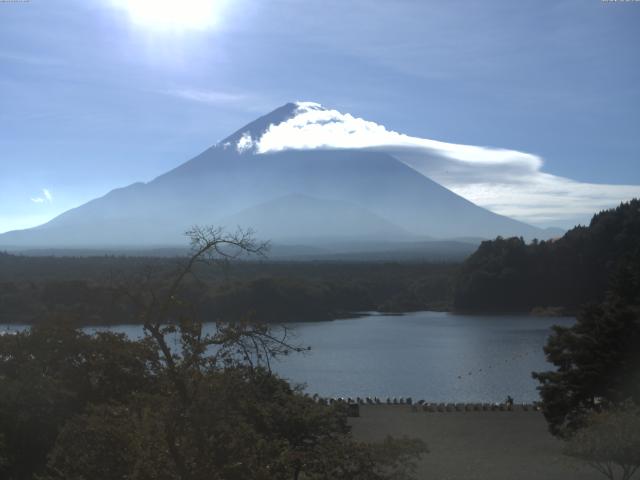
point(245, 140)
point(283, 175)
point(308, 126)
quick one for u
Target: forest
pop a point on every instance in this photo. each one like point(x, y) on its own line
point(89, 290)
point(559, 276)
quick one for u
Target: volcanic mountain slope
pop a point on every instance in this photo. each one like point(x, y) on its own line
point(296, 217)
point(287, 194)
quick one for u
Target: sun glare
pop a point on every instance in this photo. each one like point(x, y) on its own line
point(175, 15)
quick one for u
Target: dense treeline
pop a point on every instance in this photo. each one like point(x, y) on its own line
point(507, 275)
point(33, 289)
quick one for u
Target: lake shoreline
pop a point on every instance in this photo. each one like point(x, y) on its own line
point(542, 313)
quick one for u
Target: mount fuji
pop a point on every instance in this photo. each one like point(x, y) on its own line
point(281, 176)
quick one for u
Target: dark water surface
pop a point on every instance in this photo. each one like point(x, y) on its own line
point(435, 356)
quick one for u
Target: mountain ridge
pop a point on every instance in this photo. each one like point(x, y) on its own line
point(231, 176)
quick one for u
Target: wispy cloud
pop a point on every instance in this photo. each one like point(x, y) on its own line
point(47, 197)
point(241, 101)
point(508, 182)
point(211, 97)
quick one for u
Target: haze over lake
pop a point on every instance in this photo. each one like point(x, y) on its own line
point(436, 356)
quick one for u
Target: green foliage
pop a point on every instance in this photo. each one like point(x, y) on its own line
point(49, 374)
point(96, 445)
point(598, 364)
point(509, 275)
point(610, 442)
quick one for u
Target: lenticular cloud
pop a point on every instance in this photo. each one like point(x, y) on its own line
point(508, 182)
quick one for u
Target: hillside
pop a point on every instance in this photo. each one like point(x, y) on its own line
point(510, 275)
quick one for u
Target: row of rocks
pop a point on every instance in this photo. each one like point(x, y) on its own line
point(367, 400)
point(423, 405)
point(475, 407)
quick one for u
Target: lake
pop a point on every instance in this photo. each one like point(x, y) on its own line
point(435, 356)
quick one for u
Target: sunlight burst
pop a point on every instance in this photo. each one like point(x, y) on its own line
point(176, 15)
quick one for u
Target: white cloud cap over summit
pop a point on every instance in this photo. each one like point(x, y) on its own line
point(315, 127)
point(508, 182)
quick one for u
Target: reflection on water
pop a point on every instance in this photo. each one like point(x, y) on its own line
point(434, 356)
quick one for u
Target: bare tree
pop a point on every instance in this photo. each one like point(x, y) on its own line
point(163, 311)
point(165, 314)
point(610, 443)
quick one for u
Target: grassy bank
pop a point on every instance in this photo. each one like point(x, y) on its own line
point(482, 445)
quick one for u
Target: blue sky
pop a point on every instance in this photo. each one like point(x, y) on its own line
point(93, 97)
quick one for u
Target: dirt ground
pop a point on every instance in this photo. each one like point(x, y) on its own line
point(475, 445)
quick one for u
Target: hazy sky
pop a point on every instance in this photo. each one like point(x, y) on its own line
point(99, 94)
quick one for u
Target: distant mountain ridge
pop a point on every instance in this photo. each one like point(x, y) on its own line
point(353, 194)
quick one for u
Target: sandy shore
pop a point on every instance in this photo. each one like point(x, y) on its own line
point(475, 445)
